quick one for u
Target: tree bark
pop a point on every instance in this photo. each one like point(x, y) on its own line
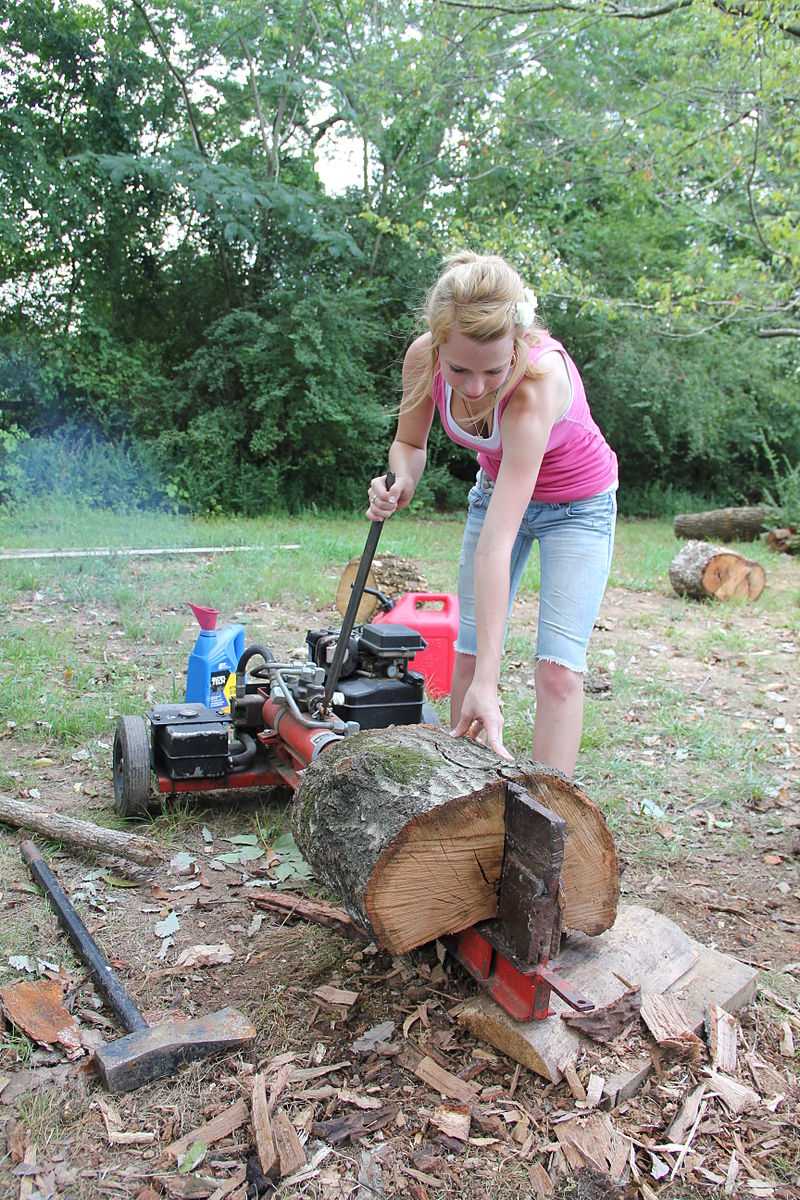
point(79, 833)
point(406, 826)
point(703, 572)
point(724, 524)
point(388, 574)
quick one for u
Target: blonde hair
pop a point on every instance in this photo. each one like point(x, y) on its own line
point(476, 294)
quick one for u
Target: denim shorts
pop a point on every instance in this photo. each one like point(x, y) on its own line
point(576, 542)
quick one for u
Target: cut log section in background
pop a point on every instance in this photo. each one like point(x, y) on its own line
point(406, 826)
point(724, 524)
point(705, 572)
point(388, 574)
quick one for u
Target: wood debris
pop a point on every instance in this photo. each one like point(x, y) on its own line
point(444, 1082)
point(667, 1022)
point(37, 1008)
point(594, 1142)
point(334, 995)
point(453, 1120)
point(222, 1126)
point(736, 1097)
point(291, 1155)
point(262, 1128)
point(721, 1030)
point(318, 912)
point(607, 1022)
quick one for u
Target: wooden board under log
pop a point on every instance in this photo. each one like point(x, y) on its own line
point(388, 574)
point(705, 572)
point(406, 826)
point(723, 524)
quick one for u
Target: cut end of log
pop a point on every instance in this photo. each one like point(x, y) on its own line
point(448, 858)
point(702, 571)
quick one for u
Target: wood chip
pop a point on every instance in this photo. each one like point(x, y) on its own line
point(540, 1181)
point(226, 1189)
point(605, 1023)
point(453, 1120)
point(594, 1142)
point(686, 1115)
point(36, 1007)
point(736, 1097)
point(573, 1079)
point(262, 1128)
point(594, 1090)
point(444, 1082)
point(350, 1097)
point(212, 1131)
point(787, 1040)
point(291, 1155)
point(721, 1029)
point(671, 1028)
point(333, 995)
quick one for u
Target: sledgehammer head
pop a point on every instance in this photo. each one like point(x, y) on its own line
point(157, 1051)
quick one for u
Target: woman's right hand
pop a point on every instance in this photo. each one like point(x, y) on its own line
point(384, 502)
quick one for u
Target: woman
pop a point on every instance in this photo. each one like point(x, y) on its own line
point(505, 388)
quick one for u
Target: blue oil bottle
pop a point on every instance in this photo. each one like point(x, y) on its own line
point(213, 660)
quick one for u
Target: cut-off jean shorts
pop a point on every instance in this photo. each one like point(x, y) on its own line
point(576, 542)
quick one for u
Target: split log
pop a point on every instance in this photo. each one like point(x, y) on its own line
point(79, 833)
point(388, 574)
point(724, 524)
point(702, 572)
point(407, 826)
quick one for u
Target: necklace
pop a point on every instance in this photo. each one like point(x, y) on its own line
point(479, 422)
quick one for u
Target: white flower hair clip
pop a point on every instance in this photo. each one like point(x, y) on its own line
point(525, 309)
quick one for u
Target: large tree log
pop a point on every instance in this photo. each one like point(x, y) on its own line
point(388, 574)
point(706, 572)
point(406, 825)
point(80, 833)
point(724, 524)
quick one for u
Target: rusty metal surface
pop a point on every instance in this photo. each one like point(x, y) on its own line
point(157, 1052)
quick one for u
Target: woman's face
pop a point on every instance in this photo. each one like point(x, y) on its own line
point(475, 369)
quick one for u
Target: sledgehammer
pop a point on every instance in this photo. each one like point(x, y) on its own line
point(148, 1052)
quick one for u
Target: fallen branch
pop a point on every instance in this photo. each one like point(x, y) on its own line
point(319, 912)
point(79, 833)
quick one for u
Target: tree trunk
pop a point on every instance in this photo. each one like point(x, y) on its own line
point(725, 524)
point(388, 574)
point(406, 826)
point(80, 833)
point(711, 572)
point(785, 541)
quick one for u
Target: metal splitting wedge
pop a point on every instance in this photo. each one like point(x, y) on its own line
point(147, 1052)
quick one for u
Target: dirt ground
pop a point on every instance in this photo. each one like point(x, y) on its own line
point(700, 840)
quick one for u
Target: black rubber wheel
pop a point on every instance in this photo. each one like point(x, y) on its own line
point(131, 767)
point(429, 714)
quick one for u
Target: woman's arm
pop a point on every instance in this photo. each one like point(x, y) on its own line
point(526, 425)
point(408, 451)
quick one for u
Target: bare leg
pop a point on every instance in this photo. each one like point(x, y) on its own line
point(463, 670)
point(559, 716)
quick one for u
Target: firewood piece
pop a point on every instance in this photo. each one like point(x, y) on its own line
point(291, 1155)
point(724, 524)
point(407, 826)
point(388, 574)
point(573, 1079)
point(221, 1126)
point(669, 1025)
point(721, 1030)
point(736, 1097)
point(80, 833)
point(262, 1128)
point(702, 572)
point(318, 912)
point(604, 1024)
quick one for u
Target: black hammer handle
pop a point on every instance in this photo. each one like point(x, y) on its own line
point(356, 594)
point(85, 946)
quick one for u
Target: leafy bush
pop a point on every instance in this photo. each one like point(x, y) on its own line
point(84, 467)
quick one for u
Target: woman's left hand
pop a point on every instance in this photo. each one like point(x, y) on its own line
point(481, 718)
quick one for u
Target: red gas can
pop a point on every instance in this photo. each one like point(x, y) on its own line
point(436, 618)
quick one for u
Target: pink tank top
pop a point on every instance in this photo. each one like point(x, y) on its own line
point(578, 462)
